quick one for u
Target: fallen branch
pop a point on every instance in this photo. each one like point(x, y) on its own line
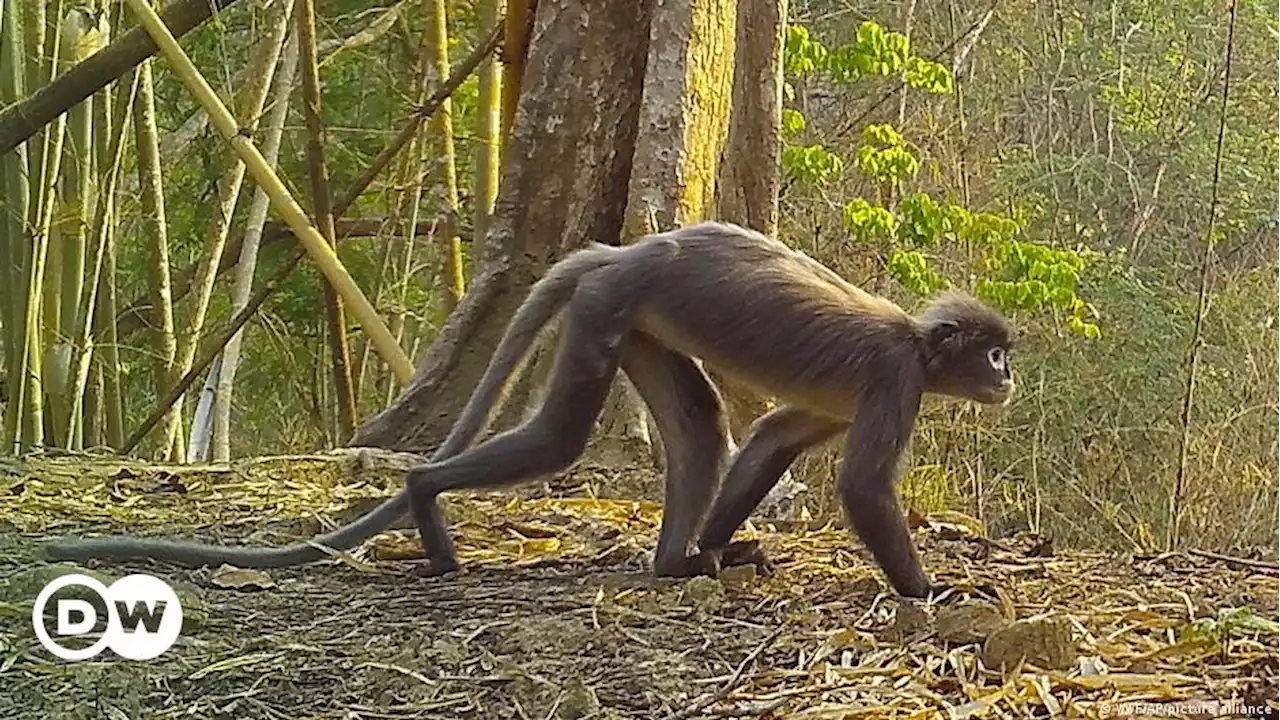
point(1270, 567)
point(730, 685)
point(21, 120)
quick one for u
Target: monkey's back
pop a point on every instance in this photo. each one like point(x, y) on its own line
point(774, 318)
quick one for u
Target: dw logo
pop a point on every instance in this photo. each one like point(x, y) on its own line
point(144, 617)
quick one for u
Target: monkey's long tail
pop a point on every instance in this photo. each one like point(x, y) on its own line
point(546, 298)
point(187, 553)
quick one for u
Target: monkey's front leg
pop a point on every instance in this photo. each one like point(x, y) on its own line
point(868, 491)
point(775, 441)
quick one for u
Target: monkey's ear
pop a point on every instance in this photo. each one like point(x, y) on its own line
point(940, 332)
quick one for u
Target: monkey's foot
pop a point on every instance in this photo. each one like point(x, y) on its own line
point(436, 567)
point(711, 562)
point(984, 590)
point(746, 552)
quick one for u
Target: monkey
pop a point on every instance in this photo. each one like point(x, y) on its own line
point(839, 359)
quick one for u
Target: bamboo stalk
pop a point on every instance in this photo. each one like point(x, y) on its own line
point(281, 200)
point(488, 156)
point(84, 331)
point(247, 258)
point(322, 210)
point(436, 43)
point(164, 353)
point(16, 189)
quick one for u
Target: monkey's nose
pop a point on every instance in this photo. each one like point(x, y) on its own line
point(1006, 388)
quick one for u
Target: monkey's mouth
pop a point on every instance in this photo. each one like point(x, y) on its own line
point(999, 395)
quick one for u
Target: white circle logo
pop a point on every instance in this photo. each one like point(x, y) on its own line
point(144, 617)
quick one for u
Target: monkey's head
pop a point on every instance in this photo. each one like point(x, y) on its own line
point(967, 350)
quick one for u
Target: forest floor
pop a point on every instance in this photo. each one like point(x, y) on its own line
point(556, 616)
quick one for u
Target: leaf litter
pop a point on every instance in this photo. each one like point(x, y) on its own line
point(556, 615)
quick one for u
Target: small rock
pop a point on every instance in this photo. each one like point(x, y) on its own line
point(1046, 642)
point(579, 701)
point(704, 593)
point(23, 586)
point(228, 576)
point(910, 620)
point(970, 621)
point(738, 575)
point(195, 611)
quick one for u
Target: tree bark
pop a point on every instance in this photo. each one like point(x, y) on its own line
point(748, 187)
point(564, 184)
point(684, 119)
point(748, 184)
point(749, 181)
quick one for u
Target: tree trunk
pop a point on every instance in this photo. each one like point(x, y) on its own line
point(564, 184)
point(747, 194)
point(748, 187)
point(684, 119)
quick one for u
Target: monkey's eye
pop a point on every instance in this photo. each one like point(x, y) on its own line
point(997, 357)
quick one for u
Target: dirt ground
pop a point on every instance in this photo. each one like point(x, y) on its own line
point(556, 616)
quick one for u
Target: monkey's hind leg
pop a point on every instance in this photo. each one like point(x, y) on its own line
point(690, 418)
point(598, 317)
point(775, 441)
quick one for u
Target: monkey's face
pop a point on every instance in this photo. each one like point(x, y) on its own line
point(977, 369)
point(968, 351)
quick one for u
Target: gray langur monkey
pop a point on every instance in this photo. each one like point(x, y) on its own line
point(839, 359)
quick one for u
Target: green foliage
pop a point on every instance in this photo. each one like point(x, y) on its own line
point(1014, 274)
point(801, 54)
point(929, 76)
point(1229, 622)
point(867, 223)
point(923, 221)
point(1030, 276)
point(793, 122)
point(911, 269)
point(884, 157)
point(875, 52)
point(981, 229)
point(811, 164)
